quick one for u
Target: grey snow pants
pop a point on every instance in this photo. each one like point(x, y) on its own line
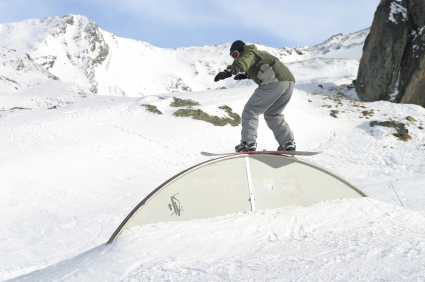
point(270, 100)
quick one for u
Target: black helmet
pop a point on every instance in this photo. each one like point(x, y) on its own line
point(238, 45)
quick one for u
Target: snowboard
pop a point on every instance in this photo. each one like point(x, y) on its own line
point(292, 153)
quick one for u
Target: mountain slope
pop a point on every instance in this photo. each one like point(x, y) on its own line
point(77, 50)
point(18, 71)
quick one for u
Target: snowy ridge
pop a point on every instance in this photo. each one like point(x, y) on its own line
point(67, 45)
point(348, 46)
point(345, 44)
point(77, 50)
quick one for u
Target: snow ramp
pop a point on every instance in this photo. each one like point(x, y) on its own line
point(238, 183)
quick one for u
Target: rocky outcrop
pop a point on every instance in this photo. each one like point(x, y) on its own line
point(393, 63)
point(46, 61)
point(96, 49)
point(177, 84)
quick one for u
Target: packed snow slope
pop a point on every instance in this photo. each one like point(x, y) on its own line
point(76, 50)
point(74, 164)
point(70, 175)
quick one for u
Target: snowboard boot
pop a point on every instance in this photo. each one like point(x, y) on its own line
point(246, 146)
point(288, 146)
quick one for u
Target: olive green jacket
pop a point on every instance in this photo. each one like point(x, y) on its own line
point(261, 67)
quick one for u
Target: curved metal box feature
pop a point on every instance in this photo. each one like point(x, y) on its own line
point(238, 183)
point(280, 182)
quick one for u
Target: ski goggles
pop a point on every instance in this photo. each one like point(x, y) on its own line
point(235, 54)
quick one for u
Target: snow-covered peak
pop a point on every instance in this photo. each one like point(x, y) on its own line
point(76, 50)
point(27, 35)
point(70, 46)
point(343, 41)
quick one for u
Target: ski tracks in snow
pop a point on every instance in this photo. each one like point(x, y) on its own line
point(333, 240)
point(88, 164)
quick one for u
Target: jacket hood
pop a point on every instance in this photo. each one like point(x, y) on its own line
point(251, 47)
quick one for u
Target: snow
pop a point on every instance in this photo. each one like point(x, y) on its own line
point(18, 71)
point(322, 70)
point(394, 94)
point(397, 9)
point(77, 163)
point(287, 244)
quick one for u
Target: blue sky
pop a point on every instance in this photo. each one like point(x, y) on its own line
point(183, 23)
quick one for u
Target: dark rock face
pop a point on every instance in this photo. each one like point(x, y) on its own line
point(412, 72)
point(382, 52)
point(393, 63)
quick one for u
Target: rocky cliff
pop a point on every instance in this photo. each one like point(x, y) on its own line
point(392, 66)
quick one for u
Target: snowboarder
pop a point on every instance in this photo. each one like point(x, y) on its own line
point(275, 87)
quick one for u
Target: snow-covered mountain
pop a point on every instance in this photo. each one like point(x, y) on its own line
point(76, 50)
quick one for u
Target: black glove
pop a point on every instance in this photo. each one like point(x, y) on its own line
point(241, 76)
point(222, 75)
